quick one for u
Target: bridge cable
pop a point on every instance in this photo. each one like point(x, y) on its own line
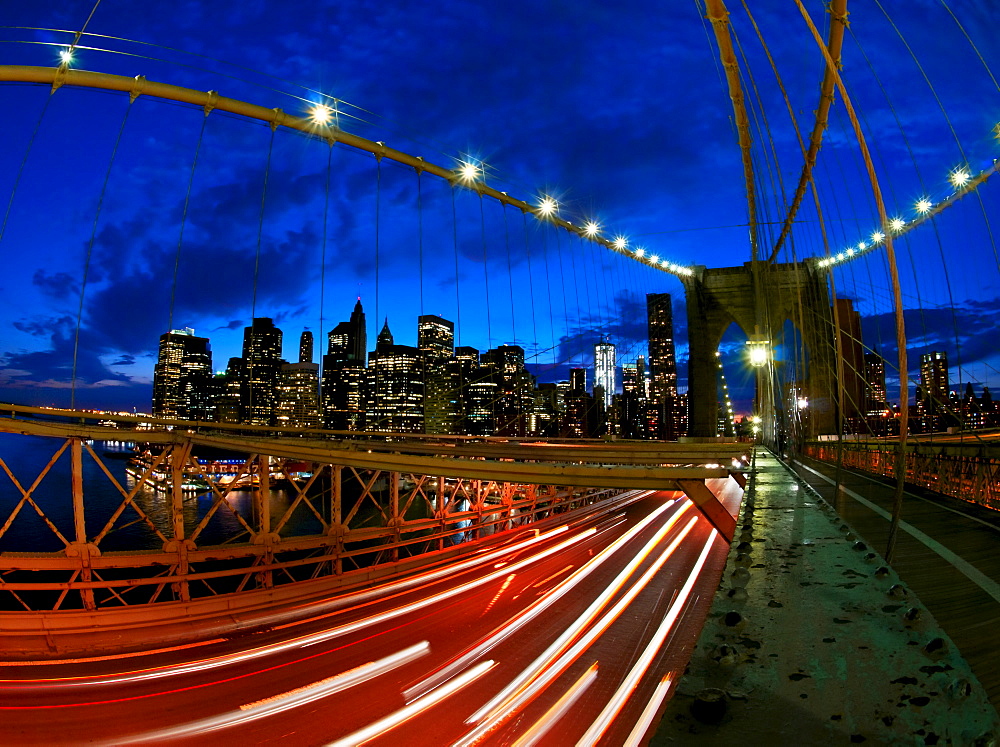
point(24, 160)
point(260, 229)
point(420, 236)
point(510, 274)
point(531, 282)
point(486, 274)
point(458, 296)
point(322, 267)
point(184, 212)
point(89, 252)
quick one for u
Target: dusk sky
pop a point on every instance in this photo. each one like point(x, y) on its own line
point(618, 110)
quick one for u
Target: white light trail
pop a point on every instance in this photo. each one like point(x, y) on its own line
point(558, 710)
point(635, 738)
point(416, 707)
point(540, 605)
point(285, 701)
point(550, 664)
point(639, 669)
point(274, 648)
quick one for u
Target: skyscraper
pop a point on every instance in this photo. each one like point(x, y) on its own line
point(394, 386)
point(514, 403)
point(436, 340)
point(343, 373)
point(578, 379)
point(262, 361)
point(182, 376)
point(933, 403)
point(297, 395)
point(306, 347)
point(604, 370)
point(662, 364)
point(348, 341)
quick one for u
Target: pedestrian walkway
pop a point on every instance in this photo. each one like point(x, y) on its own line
point(813, 640)
point(947, 551)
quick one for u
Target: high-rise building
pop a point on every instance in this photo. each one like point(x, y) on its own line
point(670, 419)
point(932, 402)
point(875, 397)
point(298, 396)
point(394, 398)
point(504, 365)
point(229, 391)
point(262, 361)
point(662, 364)
point(306, 347)
point(182, 377)
point(578, 379)
point(348, 341)
point(604, 371)
point(436, 340)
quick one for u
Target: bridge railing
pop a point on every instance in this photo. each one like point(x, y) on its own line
point(196, 514)
point(970, 472)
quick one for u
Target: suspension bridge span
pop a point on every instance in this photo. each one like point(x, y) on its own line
point(535, 536)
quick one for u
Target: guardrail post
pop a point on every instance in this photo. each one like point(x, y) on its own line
point(178, 460)
point(79, 521)
point(262, 499)
point(394, 520)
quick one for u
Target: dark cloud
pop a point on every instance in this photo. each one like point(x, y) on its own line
point(58, 285)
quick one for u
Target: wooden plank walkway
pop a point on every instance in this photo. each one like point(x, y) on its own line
point(965, 604)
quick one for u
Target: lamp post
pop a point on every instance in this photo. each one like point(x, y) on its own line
point(759, 358)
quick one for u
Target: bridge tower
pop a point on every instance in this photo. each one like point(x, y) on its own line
point(717, 297)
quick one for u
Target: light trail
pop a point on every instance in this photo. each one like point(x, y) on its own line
point(543, 603)
point(286, 701)
point(558, 710)
point(553, 661)
point(639, 669)
point(635, 737)
point(418, 706)
point(300, 641)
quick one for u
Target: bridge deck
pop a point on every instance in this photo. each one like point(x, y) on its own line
point(946, 551)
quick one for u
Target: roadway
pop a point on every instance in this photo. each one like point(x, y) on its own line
point(573, 634)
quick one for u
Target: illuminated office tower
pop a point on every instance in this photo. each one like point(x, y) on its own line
point(436, 340)
point(932, 399)
point(514, 396)
point(306, 347)
point(662, 364)
point(298, 396)
point(604, 370)
point(578, 379)
point(182, 376)
point(344, 373)
point(262, 362)
point(394, 387)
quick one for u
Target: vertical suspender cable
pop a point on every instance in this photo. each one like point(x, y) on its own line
point(180, 238)
point(90, 249)
point(486, 274)
point(904, 403)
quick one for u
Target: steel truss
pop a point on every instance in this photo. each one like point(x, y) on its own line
point(969, 473)
point(348, 508)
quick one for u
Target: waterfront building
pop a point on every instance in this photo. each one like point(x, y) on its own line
point(182, 377)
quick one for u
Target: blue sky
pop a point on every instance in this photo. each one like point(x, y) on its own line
point(620, 111)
